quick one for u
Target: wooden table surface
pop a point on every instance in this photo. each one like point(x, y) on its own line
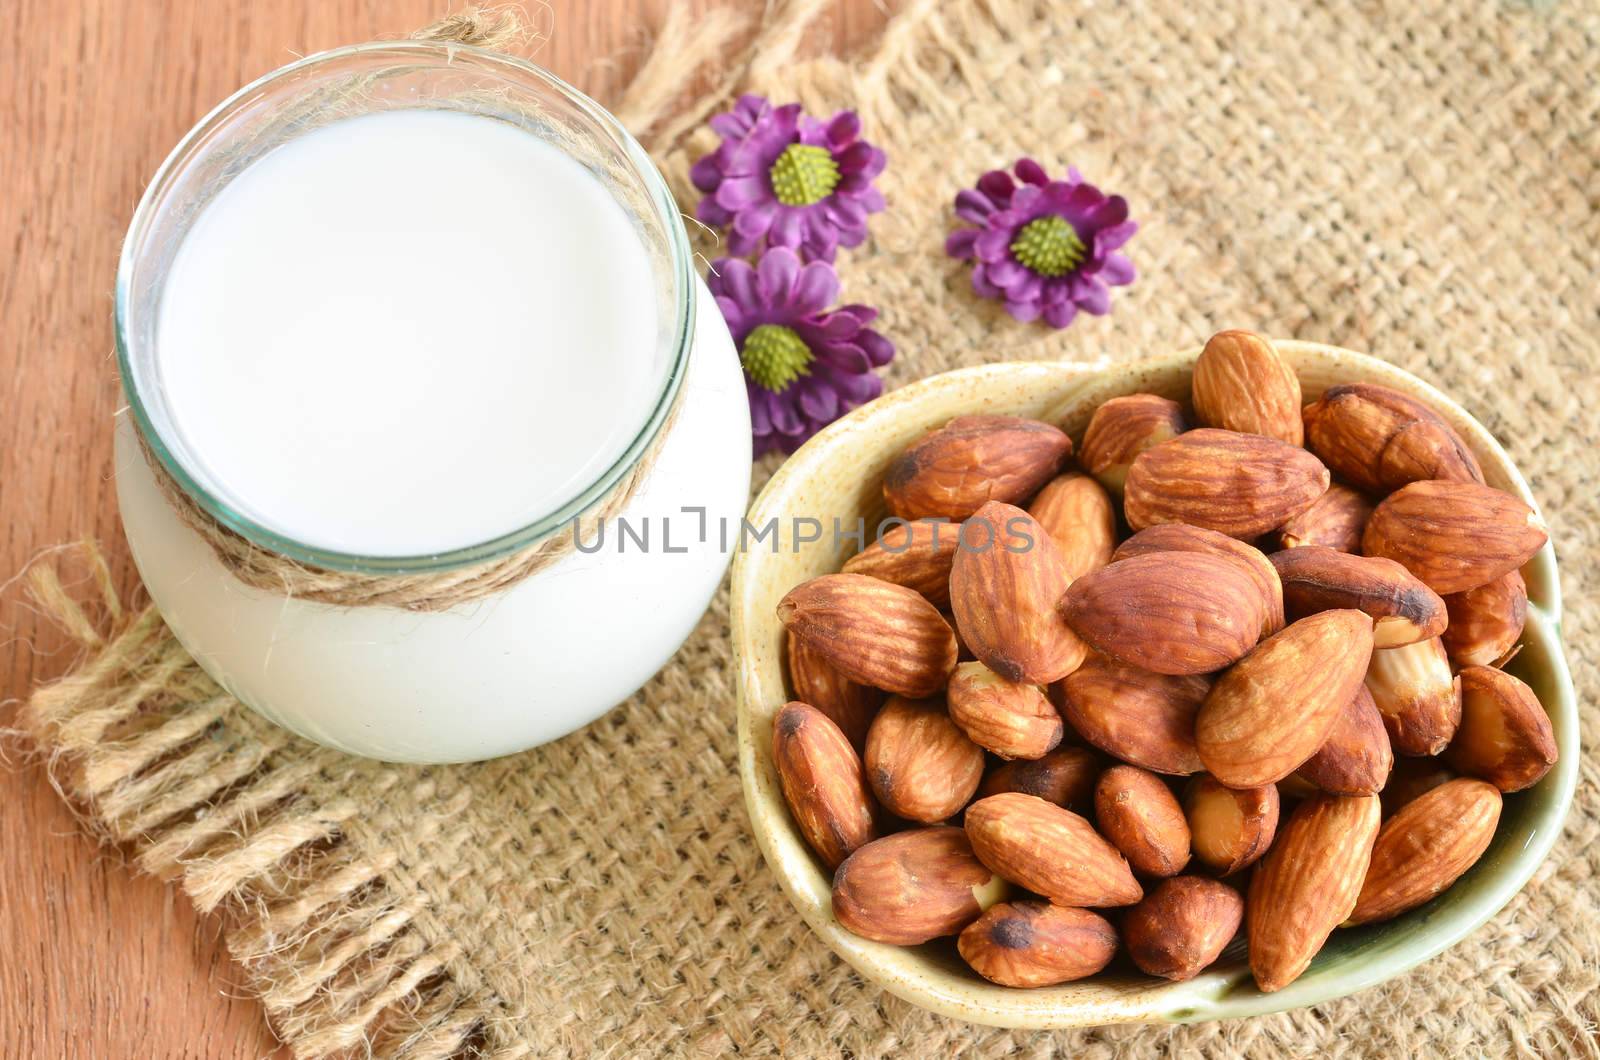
point(96, 961)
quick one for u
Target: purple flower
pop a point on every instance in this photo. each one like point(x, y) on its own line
point(789, 178)
point(804, 364)
point(1044, 247)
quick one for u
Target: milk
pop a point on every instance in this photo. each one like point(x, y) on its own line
point(408, 332)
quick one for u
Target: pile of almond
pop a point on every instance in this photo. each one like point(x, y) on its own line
point(1263, 690)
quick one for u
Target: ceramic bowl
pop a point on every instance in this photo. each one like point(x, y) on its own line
point(837, 475)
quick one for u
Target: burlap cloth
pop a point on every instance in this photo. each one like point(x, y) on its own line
point(1414, 179)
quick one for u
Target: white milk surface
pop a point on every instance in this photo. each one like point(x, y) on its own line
point(408, 332)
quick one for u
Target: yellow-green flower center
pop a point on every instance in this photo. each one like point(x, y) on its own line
point(775, 356)
point(1049, 246)
point(804, 174)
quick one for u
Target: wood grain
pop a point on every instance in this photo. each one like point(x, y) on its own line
point(95, 960)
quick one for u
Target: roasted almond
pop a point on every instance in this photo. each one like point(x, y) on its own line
point(1242, 383)
point(1412, 778)
point(1356, 757)
point(1169, 612)
point(1237, 484)
point(953, 471)
point(1505, 735)
point(1454, 536)
point(1229, 828)
point(848, 704)
point(1121, 429)
point(920, 764)
point(822, 782)
point(1011, 720)
point(1137, 812)
point(1335, 521)
point(873, 632)
point(1273, 709)
point(1417, 696)
point(1050, 851)
point(1486, 622)
point(1138, 716)
point(1426, 847)
point(1378, 439)
point(1180, 537)
point(1308, 884)
point(1007, 578)
point(1031, 943)
point(1182, 926)
point(1322, 579)
point(916, 555)
point(910, 887)
point(1080, 518)
point(1065, 777)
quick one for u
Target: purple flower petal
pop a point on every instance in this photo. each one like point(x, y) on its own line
point(710, 213)
point(1109, 239)
point(858, 389)
point(843, 129)
point(1023, 311)
point(1117, 270)
point(994, 244)
point(998, 185)
point(776, 274)
point(981, 284)
point(1091, 295)
point(1007, 272)
point(1030, 172)
point(958, 244)
point(1060, 314)
point(879, 350)
point(753, 223)
point(740, 193)
point(819, 401)
point(706, 174)
point(815, 289)
point(973, 205)
point(787, 228)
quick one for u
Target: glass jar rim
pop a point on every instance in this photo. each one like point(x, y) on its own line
point(264, 537)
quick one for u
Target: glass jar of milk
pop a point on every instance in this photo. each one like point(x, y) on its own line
point(404, 309)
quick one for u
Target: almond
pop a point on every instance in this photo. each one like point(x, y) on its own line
point(1180, 537)
point(1170, 612)
point(1011, 720)
point(1241, 485)
point(1032, 943)
point(1065, 777)
point(1182, 926)
point(1378, 439)
point(916, 555)
point(1356, 757)
point(1050, 851)
point(1007, 578)
point(874, 632)
point(1078, 515)
point(921, 766)
point(1426, 847)
point(1454, 536)
point(1412, 778)
point(1308, 884)
point(1121, 429)
point(1143, 718)
point(953, 471)
point(1294, 787)
point(1229, 829)
point(1486, 622)
point(1417, 696)
point(847, 703)
point(1505, 735)
point(1137, 812)
point(913, 886)
point(822, 782)
point(1335, 521)
point(1242, 383)
point(1273, 709)
point(1321, 579)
